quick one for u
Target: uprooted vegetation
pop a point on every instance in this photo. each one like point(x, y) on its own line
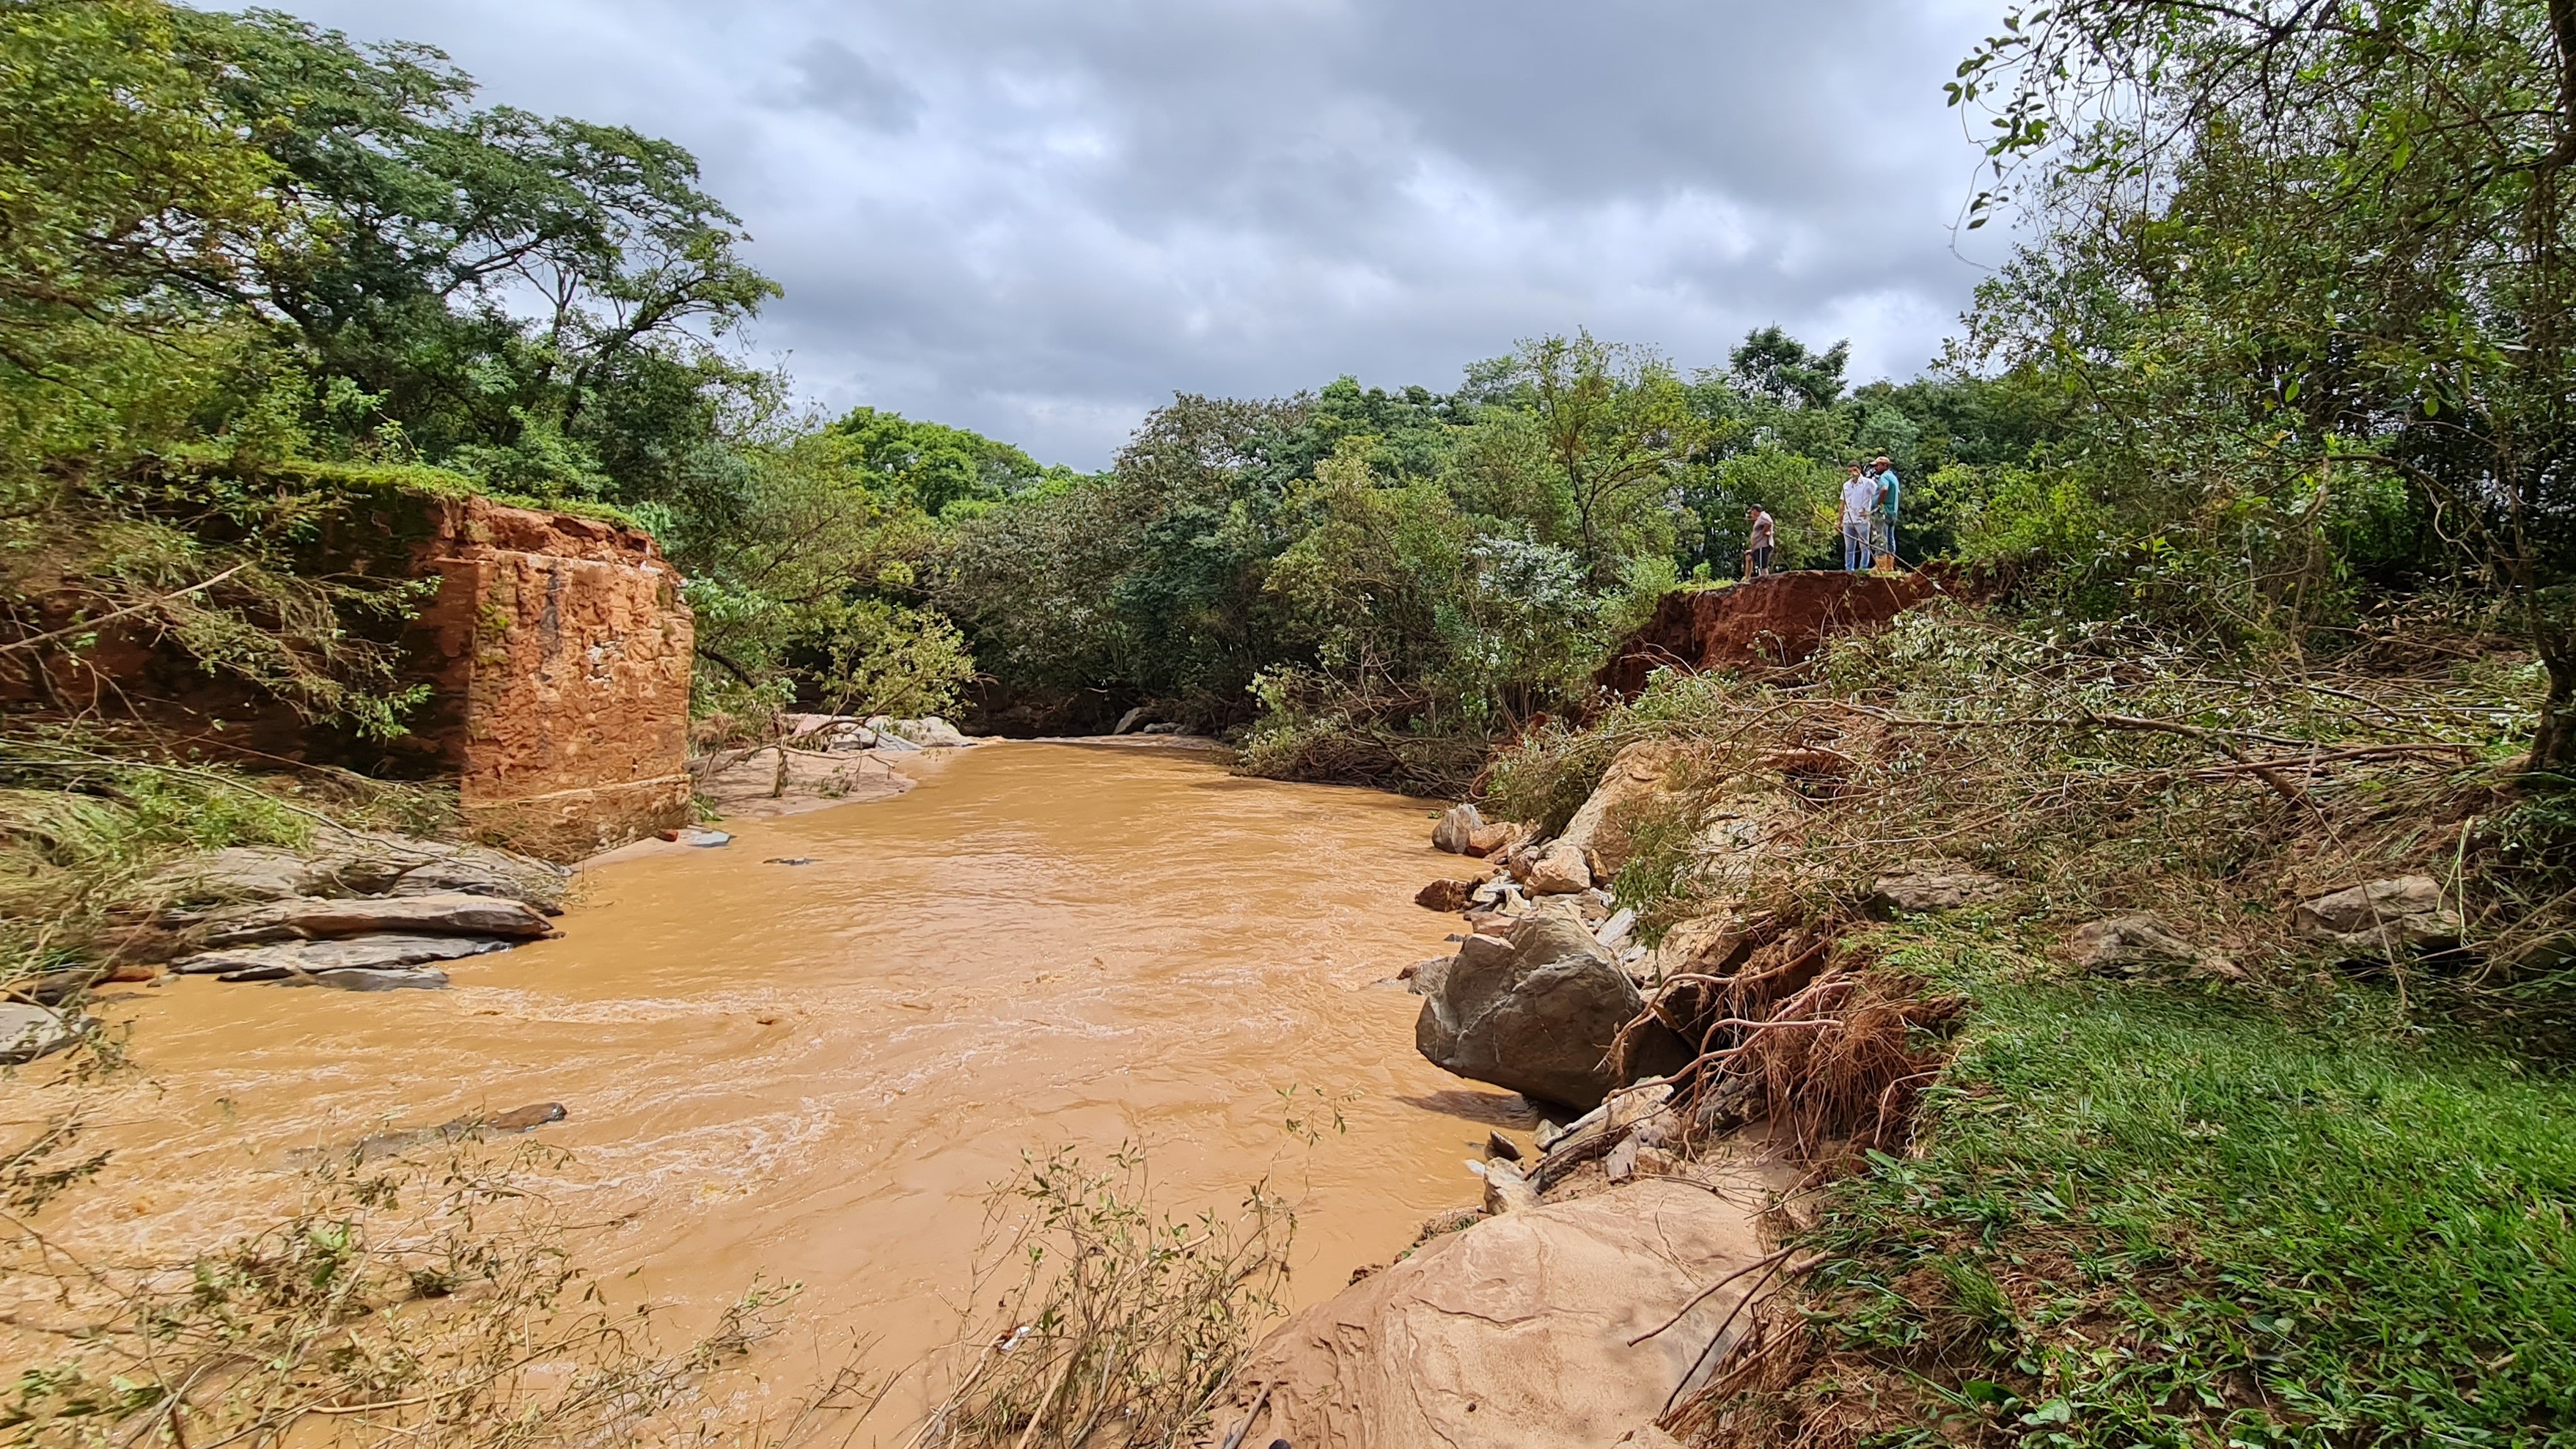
point(2244, 1184)
point(1113, 1322)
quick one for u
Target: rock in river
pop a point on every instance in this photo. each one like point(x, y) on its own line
point(1446, 896)
point(450, 914)
point(1537, 1011)
point(310, 958)
point(1456, 828)
point(28, 1032)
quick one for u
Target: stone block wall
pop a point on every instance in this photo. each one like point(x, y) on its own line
point(558, 651)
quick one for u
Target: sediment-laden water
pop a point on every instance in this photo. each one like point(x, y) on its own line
point(815, 1072)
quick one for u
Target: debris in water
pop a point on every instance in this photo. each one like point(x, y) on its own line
point(789, 860)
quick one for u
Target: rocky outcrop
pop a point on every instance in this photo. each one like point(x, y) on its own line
point(2384, 919)
point(1514, 1332)
point(445, 914)
point(1779, 620)
point(364, 912)
point(930, 733)
point(312, 958)
point(363, 863)
point(1537, 1011)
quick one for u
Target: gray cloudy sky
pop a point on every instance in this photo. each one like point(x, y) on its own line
point(1040, 219)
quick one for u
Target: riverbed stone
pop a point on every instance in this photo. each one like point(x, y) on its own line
point(1537, 1011)
point(1446, 896)
point(1530, 1330)
point(28, 1032)
point(1560, 870)
point(452, 913)
point(304, 958)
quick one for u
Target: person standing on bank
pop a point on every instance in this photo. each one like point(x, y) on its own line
point(1860, 519)
point(1759, 536)
point(1887, 492)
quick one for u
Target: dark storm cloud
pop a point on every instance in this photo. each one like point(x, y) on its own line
point(1039, 219)
point(848, 84)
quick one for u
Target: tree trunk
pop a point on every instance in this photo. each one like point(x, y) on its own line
point(2553, 747)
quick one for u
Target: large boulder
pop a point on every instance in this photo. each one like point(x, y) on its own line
point(1515, 1332)
point(1637, 782)
point(2385, 918)
point(931, 733)
point(1537, 1011)
point(453, 913)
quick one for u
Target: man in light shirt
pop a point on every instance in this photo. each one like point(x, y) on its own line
point(1860, 519)
point(1759, 536)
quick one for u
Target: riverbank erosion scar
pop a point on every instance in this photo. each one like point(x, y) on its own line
point(1782, 619)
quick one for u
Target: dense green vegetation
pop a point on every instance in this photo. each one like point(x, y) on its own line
point(321, 270)
point(2145, 1216)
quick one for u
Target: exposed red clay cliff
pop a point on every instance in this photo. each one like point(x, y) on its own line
point(1779, 620)
point(559, 650)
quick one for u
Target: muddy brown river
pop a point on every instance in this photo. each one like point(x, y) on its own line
point(817, 1072)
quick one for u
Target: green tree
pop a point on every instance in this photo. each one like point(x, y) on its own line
point(1616, 425)
point(943, 470)
point(2310, 265)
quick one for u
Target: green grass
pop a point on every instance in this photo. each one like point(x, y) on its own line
point(2152, 1216)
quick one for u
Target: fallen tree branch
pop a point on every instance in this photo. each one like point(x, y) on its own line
point(128, 612)
point(1752, 1267)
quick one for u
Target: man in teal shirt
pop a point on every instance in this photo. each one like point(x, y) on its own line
point(1887, 493)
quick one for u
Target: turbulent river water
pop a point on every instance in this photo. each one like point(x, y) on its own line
point(817, 1072)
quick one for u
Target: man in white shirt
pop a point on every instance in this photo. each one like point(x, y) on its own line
point(1759, 537)
point(1860, 516)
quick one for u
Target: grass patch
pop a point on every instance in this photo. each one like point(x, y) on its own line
point(2150, 1216)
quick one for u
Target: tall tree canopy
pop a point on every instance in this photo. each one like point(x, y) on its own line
point(2311, 266)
